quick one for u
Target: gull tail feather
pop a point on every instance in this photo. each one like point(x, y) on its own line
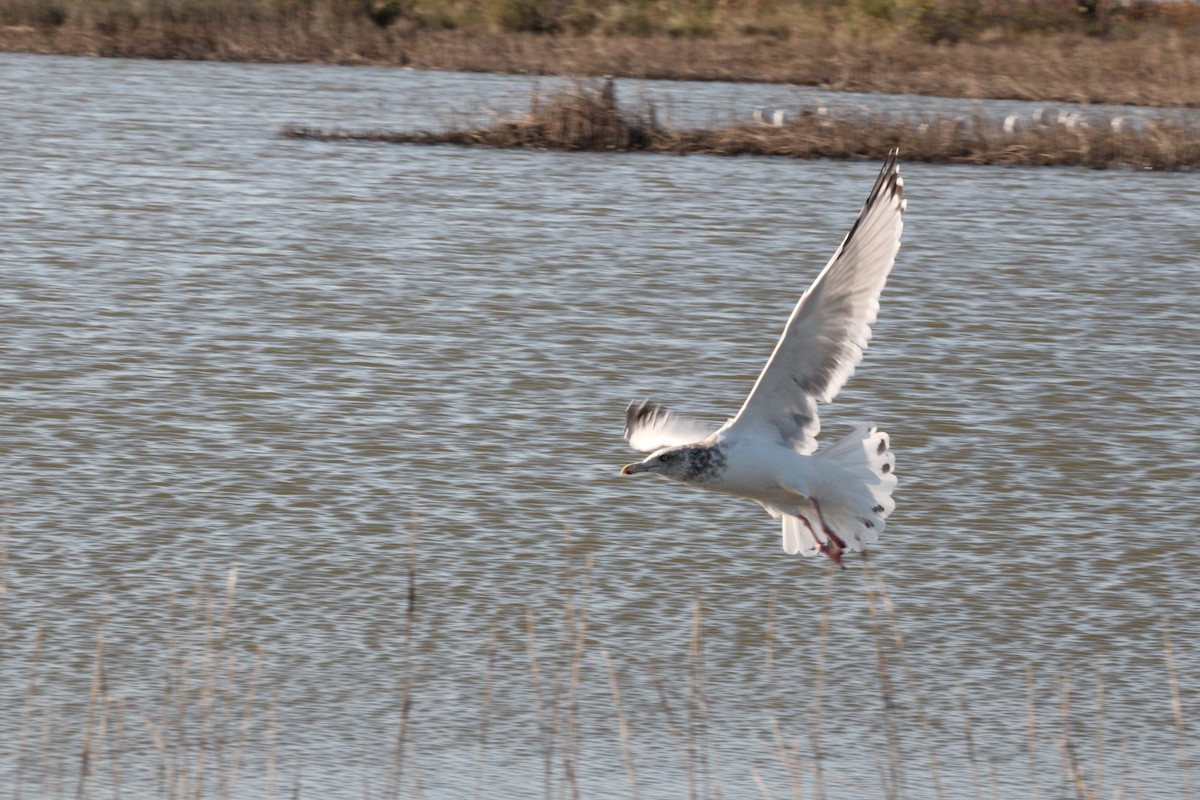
point(799, 535)
point(854, 502)
point(859, 516)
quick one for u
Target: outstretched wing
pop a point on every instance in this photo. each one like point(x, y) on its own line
point(829, 328)
point(650, 427)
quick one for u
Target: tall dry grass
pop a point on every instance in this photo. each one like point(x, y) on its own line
point(187, 738)
point(208, 731)
point(1054, 50)
point(588, 118)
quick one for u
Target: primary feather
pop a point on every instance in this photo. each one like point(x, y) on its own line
point(650, 427)
point(828, 330)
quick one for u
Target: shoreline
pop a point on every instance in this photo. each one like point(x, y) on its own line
point(587, 119)
point(1152, 69)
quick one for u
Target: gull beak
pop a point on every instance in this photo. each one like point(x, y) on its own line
point(632, 469)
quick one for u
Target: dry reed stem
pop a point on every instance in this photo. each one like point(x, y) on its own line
point(160, 746)
point(761, 784)
point(536, 677)
point(272, 738)
point(892, 782)
point(396, 768)
point(1031, 726)
point(1098, 777)
point(560, 739)
point(116, 750)
point(176, 657)
point(570, 741)
point(819, 693)
point(571, 645)
point(210, 713)
point(201, 731)
point(1066, 745)
point(27, 712)
point(485, 714)
point(581, 628)
point(587, 118)
point(556, 685)
point(622, 724)
point(781, 748)
point(414, 771)
point(769, 641)
point(91, 727)
point(694, 701)
point(674, 732)
point(219, 667)
point(910, 679)
point(833, 778)
point(1177, 711)
point(51, 756)
point(698, 708)
point(5, 512)
point(1120, 792)
point(791, 760)
point(969, 739)
point(399, 750)
point(244, 729)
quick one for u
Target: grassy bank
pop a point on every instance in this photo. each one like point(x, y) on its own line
point(1059, 50)
point(587, 118)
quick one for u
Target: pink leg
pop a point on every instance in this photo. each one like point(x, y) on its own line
point(834, 547)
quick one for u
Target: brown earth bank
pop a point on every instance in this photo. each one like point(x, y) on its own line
point(1110, 59)
point(587, 118)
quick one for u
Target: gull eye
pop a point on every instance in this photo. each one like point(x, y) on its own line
point(665, 457)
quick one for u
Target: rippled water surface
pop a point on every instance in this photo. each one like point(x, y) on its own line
point(326, 364)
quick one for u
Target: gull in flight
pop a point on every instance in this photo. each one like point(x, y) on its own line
point(828, 501)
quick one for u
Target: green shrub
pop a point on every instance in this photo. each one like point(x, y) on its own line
point(384, 12)
point(878, 9)
point(696, 25)
point(528, 16)
point(949, 21)
point(769, 30)
point(581, 19)
point(635, 20)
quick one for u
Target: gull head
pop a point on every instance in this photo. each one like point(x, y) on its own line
point(690, 463)
point(670, 462)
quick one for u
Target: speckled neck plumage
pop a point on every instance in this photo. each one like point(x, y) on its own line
point(705, 464)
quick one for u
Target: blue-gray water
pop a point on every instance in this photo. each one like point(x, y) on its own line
point(323, 363)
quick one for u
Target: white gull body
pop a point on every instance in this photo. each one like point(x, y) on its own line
point(829, 501)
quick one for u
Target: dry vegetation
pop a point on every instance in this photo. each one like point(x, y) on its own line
point(1061, 50)
point(210, 731)
point(587, 118)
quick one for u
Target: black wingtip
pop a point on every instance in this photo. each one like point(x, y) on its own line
point(889, 176)
point(889, 182)
point(637, 413)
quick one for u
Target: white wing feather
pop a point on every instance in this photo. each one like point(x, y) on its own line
point(650, 427)
point(828, 330)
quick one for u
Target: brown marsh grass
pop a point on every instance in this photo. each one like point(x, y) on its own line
point(588, 118)
point(209, 730)
point(191, 733)
point(1052, 50)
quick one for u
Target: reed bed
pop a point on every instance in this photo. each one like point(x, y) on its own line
point(1089, 51)
point(588, 118)
point(183, 733)
point(209, 730)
